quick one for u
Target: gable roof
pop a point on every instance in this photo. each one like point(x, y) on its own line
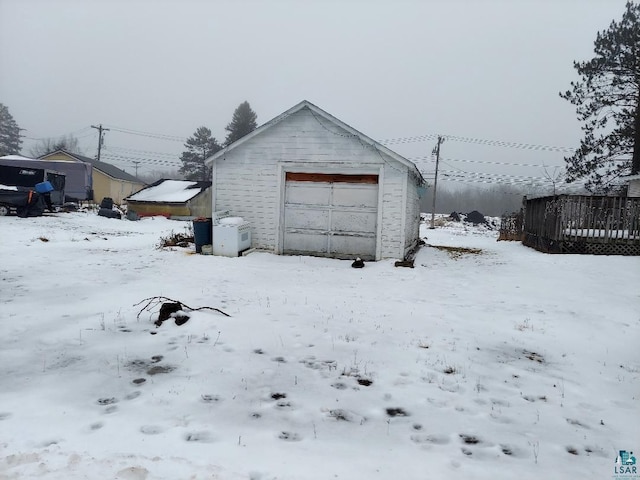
point(321, 113)
point(169, 191)
point(106, 168)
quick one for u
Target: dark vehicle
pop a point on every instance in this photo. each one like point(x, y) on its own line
point(30, 177)
point(25, 202)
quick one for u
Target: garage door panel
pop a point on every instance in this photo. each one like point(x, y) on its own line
point(363, 196)
point(308, 193)
point(327, 216)
point(349, 221)
point(306, 243)
point(348, 246)
point(306, 218)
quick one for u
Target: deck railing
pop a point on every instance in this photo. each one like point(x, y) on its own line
point(583, 224)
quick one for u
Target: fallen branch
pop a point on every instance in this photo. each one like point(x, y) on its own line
point(153, 302)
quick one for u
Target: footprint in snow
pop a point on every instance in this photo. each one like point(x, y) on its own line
point(48, 443)
point(133, 473)
point(151, 429)
point(397, 412)
point(469, 439)
point(508, 450)
point(210, 398)
point(289, 436)
point(159, 369)
point(430, 439)
point(577, 423)
point(203, 437)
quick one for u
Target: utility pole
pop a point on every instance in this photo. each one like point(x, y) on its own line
point(100, 137)
point(435, 181)
point(136, 163)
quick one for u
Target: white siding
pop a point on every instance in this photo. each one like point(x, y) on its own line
point(412, 222)
point(249, 178)
point(634, 188)
point(392, 202)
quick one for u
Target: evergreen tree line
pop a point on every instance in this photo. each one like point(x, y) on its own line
point(202, 144)
point(492, 201)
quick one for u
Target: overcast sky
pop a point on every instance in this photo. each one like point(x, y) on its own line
point(479, 69)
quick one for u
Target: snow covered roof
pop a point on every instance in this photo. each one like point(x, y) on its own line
point(18, 157)
point(169, 191)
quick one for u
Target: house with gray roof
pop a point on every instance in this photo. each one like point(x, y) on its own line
point(106, 180)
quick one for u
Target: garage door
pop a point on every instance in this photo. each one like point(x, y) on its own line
point(331, 215)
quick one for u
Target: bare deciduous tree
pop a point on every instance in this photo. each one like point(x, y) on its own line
point(68, 143)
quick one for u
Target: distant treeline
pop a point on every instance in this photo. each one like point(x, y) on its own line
point(492, 201)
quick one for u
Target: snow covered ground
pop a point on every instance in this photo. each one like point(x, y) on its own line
point(500, 364)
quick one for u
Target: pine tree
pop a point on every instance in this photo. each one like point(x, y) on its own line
point(607, 100)
point(243, 122)
point(10, 141)
point(199, 147)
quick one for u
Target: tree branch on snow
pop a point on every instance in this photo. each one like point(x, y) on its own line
point(153, 302)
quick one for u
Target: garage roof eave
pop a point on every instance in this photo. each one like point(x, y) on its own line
point(318, 111)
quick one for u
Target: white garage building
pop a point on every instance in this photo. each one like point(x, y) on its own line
point(310, 184)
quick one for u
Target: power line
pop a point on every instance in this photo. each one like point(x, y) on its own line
point(121, 158)
point(159, 136)
point(497, 179)
point(563, 188)
point(463, 173)
point(502, 143)
point(144, 153)
point(485, 162)
point(480, 141)
point(419, 138)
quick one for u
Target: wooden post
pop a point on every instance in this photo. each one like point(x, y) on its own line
point(435, 184)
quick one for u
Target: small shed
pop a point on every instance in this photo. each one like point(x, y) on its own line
point(310, 184)
point(172, 199)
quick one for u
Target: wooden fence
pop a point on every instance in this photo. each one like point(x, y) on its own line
point(511, 227)
point(598, 225)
